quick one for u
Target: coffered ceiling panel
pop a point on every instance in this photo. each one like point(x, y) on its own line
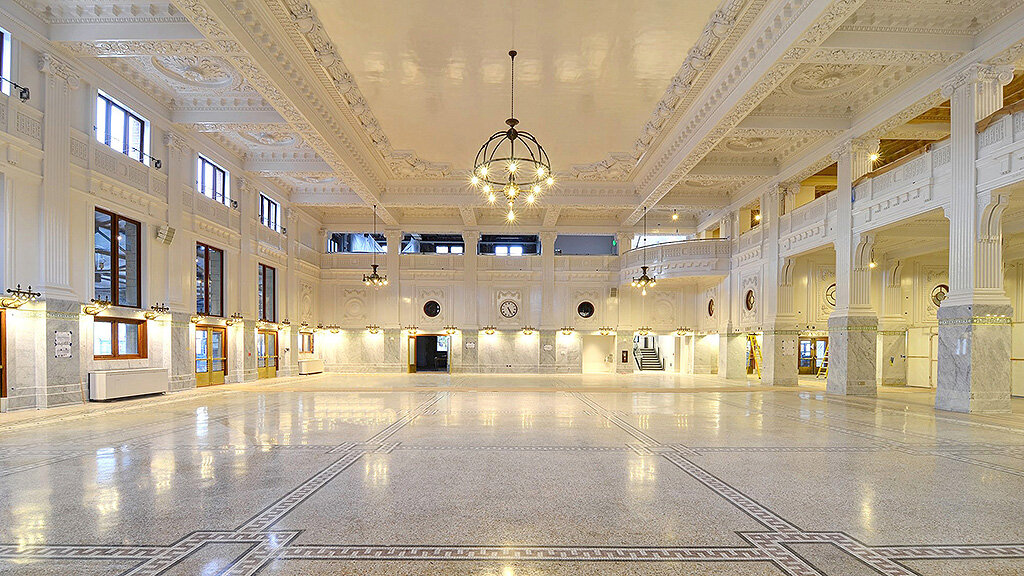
point(436, 73)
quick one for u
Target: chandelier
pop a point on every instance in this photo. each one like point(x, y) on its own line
point(644, 281)
point(512, 163)
point(374, 279)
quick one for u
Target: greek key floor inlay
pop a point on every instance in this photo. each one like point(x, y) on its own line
point(309, 480)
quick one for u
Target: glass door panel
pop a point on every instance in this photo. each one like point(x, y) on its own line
point(202, 357)
point(266, 354)
point(218, 356)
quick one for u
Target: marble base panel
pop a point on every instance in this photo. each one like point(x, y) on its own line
point(974, 358)
point(732, 355)
point(65, 377)
point(182, 375)
point(624, 344)
point(853, 349)
point(893, 358)
point(779, 354)
point(705, 354)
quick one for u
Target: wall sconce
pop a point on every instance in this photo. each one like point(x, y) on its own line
point(412, 330)
point(23, 93)
point(286, 322)
point(527, 330)
point(450, 330)
point(319, 327)
point(643, 330)
point(17, 297)
point(95, 307)
point(567, 331)
point(195, 318)
point(304, 328)
point(489, 329)
point(373, 329)
point(605, 331)
point(334, 328)
point(234, 319)
point(155, 310)
point(682, 331)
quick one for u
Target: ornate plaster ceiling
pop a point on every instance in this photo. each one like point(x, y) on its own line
point(436, 75)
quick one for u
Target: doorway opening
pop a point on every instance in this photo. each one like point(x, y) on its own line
point(266, 353)
point(211, 355)
point(429, 353)
point(812, 354)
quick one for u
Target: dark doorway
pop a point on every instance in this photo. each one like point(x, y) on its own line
point(432, 353)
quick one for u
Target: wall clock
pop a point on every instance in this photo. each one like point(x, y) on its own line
point(711, 307)
point(585, 309)
point(508, 308)
point(830, 295)
point(432, 308)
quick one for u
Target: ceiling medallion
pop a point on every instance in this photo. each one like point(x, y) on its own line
point(512, 162)
point(644, 281)
point(374, 279)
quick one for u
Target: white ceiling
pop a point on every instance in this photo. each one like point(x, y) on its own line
point(436, 72)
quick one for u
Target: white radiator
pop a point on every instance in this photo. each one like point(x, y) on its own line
point(311, 366)
point(112, 384)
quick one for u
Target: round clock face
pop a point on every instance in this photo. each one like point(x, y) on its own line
point(939, 294)
point(830, 295)
point(749, 300)
point(508, 308)
point(585, 309)
point(432, 308)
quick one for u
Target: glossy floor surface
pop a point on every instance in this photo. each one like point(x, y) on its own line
point(512, 475)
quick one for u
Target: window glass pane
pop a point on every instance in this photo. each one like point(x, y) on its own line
point(259, 292)
point(102, 128)
point(457, 249)
point(209, 180)
point(117, 125)
point(128, 263)
point(218, 184)
point(135, 138)
point(103, 265)
point(501, 250)
point(127, 339)
point(201, 279)
point(102, 343)
point(215, 277)
point(271, 293)
point(515, 251)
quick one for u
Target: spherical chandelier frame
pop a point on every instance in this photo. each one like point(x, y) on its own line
point(512, 162)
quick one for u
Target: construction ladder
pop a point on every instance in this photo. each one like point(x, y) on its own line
point(823, 370)
point(755, 349)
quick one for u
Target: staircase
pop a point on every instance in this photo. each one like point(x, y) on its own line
point(649, 359)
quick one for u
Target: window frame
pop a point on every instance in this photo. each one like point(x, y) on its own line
point(224, 196)
point(106, 137)
point(115, 288)
point(6, 57)
point(206, 281)
point(306, 338)
point(143, 341)
point(271, 294)
point(266, 203)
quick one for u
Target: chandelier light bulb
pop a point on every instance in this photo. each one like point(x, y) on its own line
point(482, 171)
point(551, 181)
point(536, 188)
point(474, 181)
point(530, 199)
point(490, 198)
point(512, 167)
point(540, 171)
point(487, 188)
point(511, 216)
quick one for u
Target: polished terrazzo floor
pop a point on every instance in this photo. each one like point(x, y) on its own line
point(512, 475)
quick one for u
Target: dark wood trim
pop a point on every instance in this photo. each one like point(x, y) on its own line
point(271, 294)
point(115, 355)
point(115, 292)
point(206, 283)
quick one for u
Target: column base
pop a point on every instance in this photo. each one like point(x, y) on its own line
point(732, 355)
point(778, 351)
point(974, 358)
point(852, 350)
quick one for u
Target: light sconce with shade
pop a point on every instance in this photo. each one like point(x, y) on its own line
point(527, 330)
point(234, 319)
point(643, 330)
point(373, 329)
point(18, 297)
point(567, 331)
point(606, 331)
point(304, 327)
point(96, 307)
point(489, 329)
point(195, 319)
point(156, 310)
point(286, 322)
point(450, 330)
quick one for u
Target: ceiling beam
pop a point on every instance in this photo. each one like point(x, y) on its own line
point(124, 31)
point(897, 41)
point(279, 165)
point(793, 123)
point(745, 170)
point(232, 118)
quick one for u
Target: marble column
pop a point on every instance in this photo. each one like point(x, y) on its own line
point(548, 355)
point(732, 354)
point(779, 334)
point(249, 350)
point(974, 371)
point(182, 374)
point(892, 329)
point(853, 324)
point(705, 354)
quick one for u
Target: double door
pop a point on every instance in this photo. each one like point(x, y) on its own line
point(211, 355)
point(266, 353)
point(812, 354)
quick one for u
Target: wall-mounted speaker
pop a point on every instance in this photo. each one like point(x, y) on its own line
point(165, 234)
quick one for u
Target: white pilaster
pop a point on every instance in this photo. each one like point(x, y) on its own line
point(388, 300)
point(470, 261)
point(547, 253)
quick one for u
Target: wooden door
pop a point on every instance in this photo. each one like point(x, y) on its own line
point(211, 355)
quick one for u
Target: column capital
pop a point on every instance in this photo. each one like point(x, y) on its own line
point(977, 73)
point(53, 66)
point(175, 142)
point(393, 234)
point(547, 237)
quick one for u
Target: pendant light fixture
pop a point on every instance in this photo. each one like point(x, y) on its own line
point(512, 163)
point(643, 282)
point(373, 278)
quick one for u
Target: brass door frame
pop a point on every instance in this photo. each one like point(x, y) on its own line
point(267, 371)
point(210, 379)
